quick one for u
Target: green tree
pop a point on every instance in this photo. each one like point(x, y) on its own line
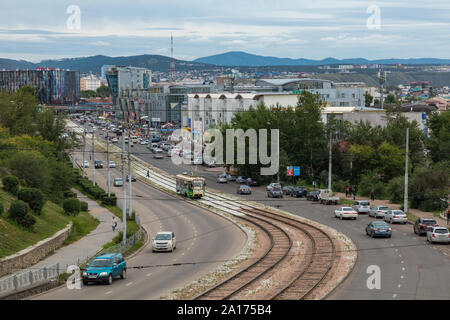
point(103, 92)
point(368, 99)
point(439, 142)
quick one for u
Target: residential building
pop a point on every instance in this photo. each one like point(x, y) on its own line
point(90, 82)
point(53, 86)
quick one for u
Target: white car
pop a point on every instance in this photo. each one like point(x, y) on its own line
point(164, 241)
point(86, 164)
point(393, 216)
point(273, 185)
point(346, 213)
point(438, 234)
point(112, 164)
point(143, 142)
point(115, 140)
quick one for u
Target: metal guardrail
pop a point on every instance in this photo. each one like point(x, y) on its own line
point(27, 279)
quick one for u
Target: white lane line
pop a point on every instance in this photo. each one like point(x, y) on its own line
point(402, 277)
point(400, 255)
point(394, 296)
point(148, 274)
point(403, 269)
point(403, 262)
point(109, 292)
point(129, 284)
point(399, 285)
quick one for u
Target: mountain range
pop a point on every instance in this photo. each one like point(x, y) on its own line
point(239, 58)
point(93, 64)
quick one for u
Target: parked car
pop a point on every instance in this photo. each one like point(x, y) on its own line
point(287, 190)
point(396, 216)
point(252, 182)
point(98, 164)
point(275, 193)
point(112, 164)
point(422, 225)
point(164, 241)
point(222, 179)
point(361, 206)
point(231, 177)
point(378, 229)
point(273, 185)
point(378, 211)
point(438, 234)
point(115, 140)
point(158, 154)
point(105, 268)
point(299, 192)
point(118, 182)
point(133, 178)
point(86, 164)
point(346, 213)
point(313, 196)
point(244, 189)
point(241, 180)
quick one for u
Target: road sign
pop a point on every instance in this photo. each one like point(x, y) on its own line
point(296, 171)
point(290, 171)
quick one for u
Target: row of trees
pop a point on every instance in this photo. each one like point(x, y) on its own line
point(363, 154)
point(101, 92)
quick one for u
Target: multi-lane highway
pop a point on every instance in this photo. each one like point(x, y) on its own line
point(410, 268)
point(202, 237)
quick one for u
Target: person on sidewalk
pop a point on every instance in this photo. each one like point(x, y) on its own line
point(114, 223)
point(346, 191)
point(372, 195)
point(350, 191)
point(148, 174)
point(354, 194)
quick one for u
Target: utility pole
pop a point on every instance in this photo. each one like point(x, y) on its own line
point(124, 191)
point(330, 162)
point(93, 158)
point(130, 205)
point(84, 150)
point(107, 163)
point(405, 204)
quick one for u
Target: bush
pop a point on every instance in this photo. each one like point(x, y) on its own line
point(396, 189)
point(2, 209)
point(34, 197)
point(369, 182)
point(11, 184)
point(69, 194)
point(109, 201)
point(27, 222)
point(72, 206)
point(18, 210)
point(84, 206)
point(339, 185)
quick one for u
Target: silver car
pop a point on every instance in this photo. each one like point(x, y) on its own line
point(378, 211)
point(396, 216)
point(438, 234)
point(362, 206)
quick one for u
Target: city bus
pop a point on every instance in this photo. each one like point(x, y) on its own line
point(189, 186)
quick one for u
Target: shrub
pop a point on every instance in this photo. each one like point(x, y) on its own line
point(84, 206)
point(339, 185)
point(369, 182)
point(27, 222)
point(2, 209)
point(396, 189)
point(72, 206)
point(11, 184)
point(18, 210)
point(69, 194)
point(34, 197)
point(109, 201)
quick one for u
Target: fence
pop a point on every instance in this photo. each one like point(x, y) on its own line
point(28, 279)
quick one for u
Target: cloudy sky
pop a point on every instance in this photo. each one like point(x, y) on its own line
point(35, 30)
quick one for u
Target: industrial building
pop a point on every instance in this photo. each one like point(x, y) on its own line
point(53, 86)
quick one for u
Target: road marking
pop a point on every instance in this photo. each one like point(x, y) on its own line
point(109, 292)
point(402, 277)
point(399, 285)
point(403, 269)
point(403, 262)
point(149, 274)
point(394, 296)
point(400, 255)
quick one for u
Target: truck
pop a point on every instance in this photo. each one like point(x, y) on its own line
point(327, 197)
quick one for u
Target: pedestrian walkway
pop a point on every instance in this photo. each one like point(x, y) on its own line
point(387, 203)
point(87, 246)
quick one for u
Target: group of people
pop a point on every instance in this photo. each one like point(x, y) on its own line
point(349, 191)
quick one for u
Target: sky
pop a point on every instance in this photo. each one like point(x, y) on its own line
point(35, 30)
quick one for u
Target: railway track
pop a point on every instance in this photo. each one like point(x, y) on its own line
point(303, 282)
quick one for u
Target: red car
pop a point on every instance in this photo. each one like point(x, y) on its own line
point(422, 225)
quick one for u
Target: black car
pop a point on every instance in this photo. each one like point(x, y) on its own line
point(299, 192)
point(313, 196)
point(275, 193)
point(252, 183)
point(98, 164)
point(133, 178)
point(422, 225)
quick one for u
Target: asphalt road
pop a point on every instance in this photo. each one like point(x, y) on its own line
point(410, 268)
point(202, 237)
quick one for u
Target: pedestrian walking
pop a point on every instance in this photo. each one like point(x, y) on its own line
point(114, 223)
point(350, 191)
point(354, 194)
point(356, 189)
point(148, 174)
point(372, 195)
point(346, 191)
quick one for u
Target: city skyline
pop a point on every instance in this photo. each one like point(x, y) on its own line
point(294, 29)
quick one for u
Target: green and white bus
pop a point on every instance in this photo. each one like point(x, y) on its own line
point(191, 187)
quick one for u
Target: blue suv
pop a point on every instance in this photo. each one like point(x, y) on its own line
point(105, 268)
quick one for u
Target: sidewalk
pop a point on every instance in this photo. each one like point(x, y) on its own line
point(387, 203)
point(87, 246)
